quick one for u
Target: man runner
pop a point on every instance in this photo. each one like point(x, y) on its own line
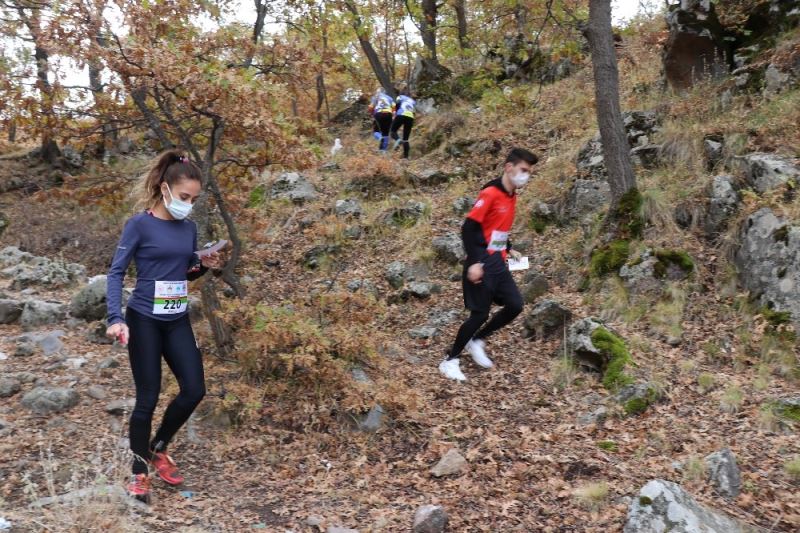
point(486, 277)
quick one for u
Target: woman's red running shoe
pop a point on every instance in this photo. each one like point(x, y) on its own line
point(166, 468)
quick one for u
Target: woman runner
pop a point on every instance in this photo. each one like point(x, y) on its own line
point(162, 243)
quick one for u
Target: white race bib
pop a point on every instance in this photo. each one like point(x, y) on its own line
point(170, 297)
point(498, 241)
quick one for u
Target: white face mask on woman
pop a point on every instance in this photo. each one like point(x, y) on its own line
point(177, 208)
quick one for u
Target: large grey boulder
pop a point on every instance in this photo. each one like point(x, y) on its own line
point(534, 285)
point(375, 419)
point(449, 248)
point(697, 47)
point(10, 311)
point(767, 171)
point(37, 313)
point(90, 302)
point(585, 198)
point(724, 473)
point(48, 400)
point(639, 277)
point(722, 204)
point(26, 270)
point(546, 320)
point(663, 506)
point(294, 187)
point(430, 519)
point(438, 176)
point(768, 262)
point(776, 80)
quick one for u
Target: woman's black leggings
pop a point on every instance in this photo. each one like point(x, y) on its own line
point(406, 123)
point(149, 339)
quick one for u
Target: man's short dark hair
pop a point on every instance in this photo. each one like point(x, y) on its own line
point(521, 154)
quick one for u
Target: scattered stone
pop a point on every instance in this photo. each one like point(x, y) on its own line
point(405, 216)
point(120, 407)
point(50, 342)
point(36, 313)
point(546, 320)
point(449, 248)
point(374, 420)
point(723, 202)
point(665, 506)
point(363, 285)
point(48, 400)
point(768, 262)
point(647, 156)
point(75, 362)
point(423, 332)
point(97, 334)
point(724, 473)
point(534, 286)
point(10, 311)
point(338, 529)
point(713, 147)
point(97, 392)
point(596, 417)
point(775, 81)
point(767, 171)
point(440, 318)
point(395, 274)
point(422, 290)
point(431, 176)
point(72, 157)
point(90, 302)
point(315, 256)
point(294, 187)
point(348, 208)
point(9, 386)
point(463, 205)
point(24, 349)
point(451, 463)
point(430, 519)
point(108, 362)
point(359, 376)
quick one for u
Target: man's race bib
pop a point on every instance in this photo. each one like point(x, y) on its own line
point(498, 241)
point(170, 297)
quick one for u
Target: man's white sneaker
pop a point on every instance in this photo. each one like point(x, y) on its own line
point(475, 347)
point(451, 369)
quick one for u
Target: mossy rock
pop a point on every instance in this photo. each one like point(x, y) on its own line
point(609, 258)
point(617, 358)
point(636, 399)
point(776, 318)
point(672, 264)
point(788, 410)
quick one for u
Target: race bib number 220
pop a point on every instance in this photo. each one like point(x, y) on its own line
point(170, 297)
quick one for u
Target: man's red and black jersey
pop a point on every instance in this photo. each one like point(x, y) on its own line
point(494, 212)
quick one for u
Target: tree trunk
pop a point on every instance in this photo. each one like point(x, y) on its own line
point(50, 152)
point(139, 96)
point(460, 7)
point(12, 131)
point(369, 50)
point(427, 27)
point(258, 27)
point(616, 150)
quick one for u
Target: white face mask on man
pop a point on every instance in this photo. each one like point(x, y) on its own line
point(176, 207)
point(520, 179)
